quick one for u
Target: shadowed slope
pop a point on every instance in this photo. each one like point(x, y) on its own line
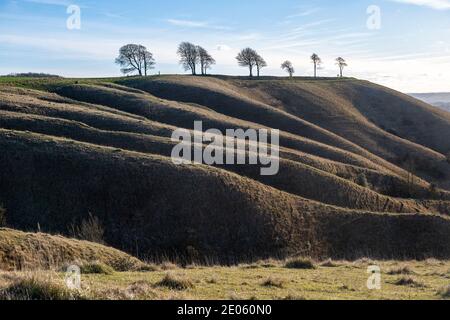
point(369, 116)
point(61, 180)
point(102, 148)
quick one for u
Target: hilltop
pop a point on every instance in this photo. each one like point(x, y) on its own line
point(363, 168)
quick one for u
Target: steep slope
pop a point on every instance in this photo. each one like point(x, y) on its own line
point(384, 122)
point(103, 147)
point(149, 205)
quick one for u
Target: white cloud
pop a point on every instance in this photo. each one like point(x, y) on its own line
point(188, 23)
point(303, 13)
point(223, 47)
point(435, 4)
point(195, 24)
point(64, 3)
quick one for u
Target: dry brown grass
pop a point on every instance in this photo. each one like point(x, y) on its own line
point(408, 281)
point(112, 156)
point(445, 292)
point(32, 251)
point(405, 270)
point(39, 286)
point(176, 282)
point(273, 282)
point(329, 264)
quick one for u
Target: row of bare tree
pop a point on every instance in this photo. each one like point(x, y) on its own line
point(192, 55)
point(136, 58)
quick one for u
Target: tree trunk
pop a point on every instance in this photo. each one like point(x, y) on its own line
point(315, 70)
point(251, 71)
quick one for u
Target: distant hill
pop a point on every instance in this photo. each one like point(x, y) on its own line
point(441, 100)
point(31, 75)
point(357, 163)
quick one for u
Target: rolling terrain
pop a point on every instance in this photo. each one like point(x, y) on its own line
point(363, 169)
point(440, 99)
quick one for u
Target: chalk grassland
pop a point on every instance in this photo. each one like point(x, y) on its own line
point(39, 251)
point(346, 187)
point(34, 264)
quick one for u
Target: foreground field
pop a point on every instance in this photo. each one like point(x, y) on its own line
point(263, 281)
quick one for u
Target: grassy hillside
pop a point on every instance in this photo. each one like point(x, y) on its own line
point(20, 251)
point(357, 163)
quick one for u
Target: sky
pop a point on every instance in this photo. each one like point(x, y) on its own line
point(403, 44)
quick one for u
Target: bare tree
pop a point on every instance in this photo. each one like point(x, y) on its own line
point(317, 62)
point(247, 58)
point(135, 58)
point(259, 63)
point(149, 61)
point(288, 67)
point(189, 56)
point(342, 64)
point(206, 60)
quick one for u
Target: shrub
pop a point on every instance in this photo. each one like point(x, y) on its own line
point(401, 270)
point(168, 266)
point(361, 179)
point(96, 268)
point(408, 281)
point(90, 229)
point(175, 282)
point(300, 263)
point(2, 217)
point(37, 288)
point(272, 282)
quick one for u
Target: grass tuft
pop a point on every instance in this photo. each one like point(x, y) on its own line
point(408, 281)
point(96, 268)
point(406, 270)
point(273, 282)
point(38, 288)
point(168, 266)
point(445, 292)
point(300, 263)
point(329, 264)
point(175, 282)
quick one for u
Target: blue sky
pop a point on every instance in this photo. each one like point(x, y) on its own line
point(409, 52)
